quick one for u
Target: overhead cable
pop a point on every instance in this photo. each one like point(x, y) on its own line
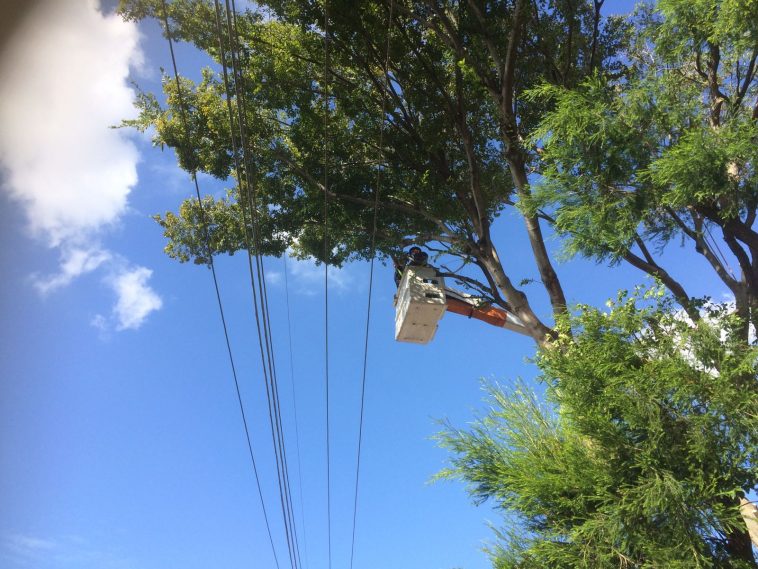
point(377, 192)
point(326, 278)
point(204, 223)
point(260, 300)
point(294, 407)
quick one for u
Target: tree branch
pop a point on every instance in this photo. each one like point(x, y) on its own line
point(749, 74)
point(598, 4)
point(748, 276)
point(702, 247)
point(481, 19)
point(655, 270)
point(489, 261)
point(717, 96)
point(297, 168)
point(509, 67)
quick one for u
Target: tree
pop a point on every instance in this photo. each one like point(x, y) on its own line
point(649, 436)
point(624, 137)
point(664, 152)
point(453, 155)
point(668, 151)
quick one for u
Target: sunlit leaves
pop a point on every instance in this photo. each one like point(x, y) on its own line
point(651, 433)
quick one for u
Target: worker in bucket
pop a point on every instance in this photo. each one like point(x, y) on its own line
point(416, 258)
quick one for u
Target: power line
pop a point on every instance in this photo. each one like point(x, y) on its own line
point(326, 275)
point(263, 323)
point(275, 411)
point(239, 169)
point(377, 192)
point(718, 250)
point(274, 382)
point(294, 407)
point(183, 117)
point(260, 296)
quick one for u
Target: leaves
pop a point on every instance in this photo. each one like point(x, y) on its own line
point(651, 428)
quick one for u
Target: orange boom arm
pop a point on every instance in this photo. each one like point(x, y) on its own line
point(488, 314)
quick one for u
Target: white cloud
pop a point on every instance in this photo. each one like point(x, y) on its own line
point(74, 262)
point(308, 278)
point(135, 299)
point(101, 323)
point(274, 277)
point(65, 551)
point(65, 83)
point(26, 544)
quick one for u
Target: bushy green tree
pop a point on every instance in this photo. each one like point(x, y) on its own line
point(454, 153)
point(648, 436)
point(622, 135)
point(665, 152)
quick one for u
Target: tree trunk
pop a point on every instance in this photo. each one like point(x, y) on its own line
point(516, 298)
point(749, 513)
point(738, 542)
point(536, 239)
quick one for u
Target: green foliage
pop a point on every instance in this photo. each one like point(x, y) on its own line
point(650, 435)
point(425, 171)
point(591, 140)
point(696, 169)
point(627, 156)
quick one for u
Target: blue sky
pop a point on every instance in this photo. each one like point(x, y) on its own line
point(120, 437)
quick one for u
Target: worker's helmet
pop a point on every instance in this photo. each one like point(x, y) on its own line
point(417, 255)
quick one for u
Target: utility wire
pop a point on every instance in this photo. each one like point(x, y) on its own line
point(379, 179)
point(294, 407)
point(265, 321)
point(259, 293)
point(274, 382)
point(243, 175)
point(274, 401)
point(326, 276)
point(183, 116)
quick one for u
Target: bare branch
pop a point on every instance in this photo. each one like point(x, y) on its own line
point(473, 284)
point(702, 247)
point(297, 168)
point(655, 270)
point(749, 74)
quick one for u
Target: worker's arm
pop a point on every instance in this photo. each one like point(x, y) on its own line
point(399, 267)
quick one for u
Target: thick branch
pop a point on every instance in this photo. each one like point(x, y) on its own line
point(748, 276)
point(548, 275)
point(655, 270)
point(295, 167)
point(749, 74)
point(509, 67)
point(490, 263)
point(717, 96)
point(702, 247)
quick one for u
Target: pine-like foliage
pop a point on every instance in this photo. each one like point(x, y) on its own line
point(653, 437)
